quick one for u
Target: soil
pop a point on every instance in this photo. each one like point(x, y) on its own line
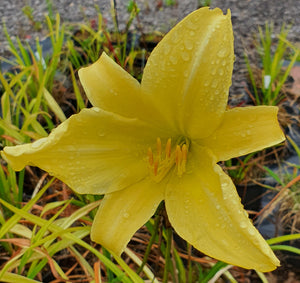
point(156, 15)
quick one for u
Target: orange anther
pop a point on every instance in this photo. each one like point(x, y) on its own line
point(168, 148)
point(150, 156)
point(178, 155)
point(155, 167)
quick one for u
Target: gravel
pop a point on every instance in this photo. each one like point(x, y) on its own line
point(155, 15)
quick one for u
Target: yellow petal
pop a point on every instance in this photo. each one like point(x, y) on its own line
point(93, 152)
point(244, 130)
point(111, 88)
point(122, 213)
point(204, 208)
point(188, 75)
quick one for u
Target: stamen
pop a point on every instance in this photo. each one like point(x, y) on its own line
point(155, 168)
point(184, 157)
point(168, 149)
point(160, 163)
point(178, 155)
point(150, 156)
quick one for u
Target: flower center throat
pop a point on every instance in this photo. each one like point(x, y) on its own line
point(161, 162)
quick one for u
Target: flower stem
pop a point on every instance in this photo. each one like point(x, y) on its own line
point(152, 239)
point(169, 233)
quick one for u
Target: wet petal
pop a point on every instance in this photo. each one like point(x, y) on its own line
point(204, 208)
point(93, 152)
point(245, 130)
point(122, 213)
point(110, 87)
point(188, 74)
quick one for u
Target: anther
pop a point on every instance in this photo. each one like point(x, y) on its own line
point(168, 148)
point(155, 168)
point(150, 156)
point(178, 155)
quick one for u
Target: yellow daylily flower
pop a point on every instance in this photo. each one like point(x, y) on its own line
point(161, 140)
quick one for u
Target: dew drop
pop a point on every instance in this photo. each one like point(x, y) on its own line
point(185, 56)
point(188, 44)
point(113, 92)
point(192, 33)
point(167, 49)
point(251, 231)
point(243, 225)
point(213, 71)
point(126, 215)
point(38, 143)
point(214, 84)
point(221, 72)
point(96, 109)
point(222, 53)
point(175, 38)
point(173, 59)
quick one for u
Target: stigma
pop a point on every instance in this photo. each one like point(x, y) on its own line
point(161, 161)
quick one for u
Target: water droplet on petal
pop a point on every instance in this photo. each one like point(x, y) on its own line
point(167, 49)
point(126, 215)
point(113, 92)
point(213, 71)
point(214, 84)
point(185, 56)
point(243, 225)
point(188, 44)
point(175, 38)
point(173, 59)
point(251, 231)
